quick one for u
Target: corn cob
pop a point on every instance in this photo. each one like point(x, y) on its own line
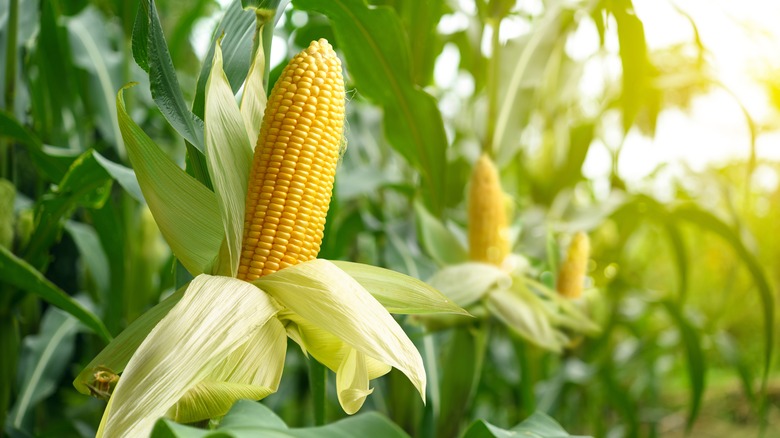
point(294, 164)
point(571, 276)
point(488, 240)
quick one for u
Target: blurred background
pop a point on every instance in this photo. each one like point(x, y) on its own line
point(654, 126)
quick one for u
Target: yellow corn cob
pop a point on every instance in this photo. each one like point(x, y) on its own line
point(487, 215)
point(571, 277)
point(291, 180)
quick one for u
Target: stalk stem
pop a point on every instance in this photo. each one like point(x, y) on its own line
point(6, 153)
point(492, 87)
point(318, 381)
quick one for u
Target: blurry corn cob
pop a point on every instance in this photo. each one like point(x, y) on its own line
point(488, 240)
point(571, 277)
point(294, 164)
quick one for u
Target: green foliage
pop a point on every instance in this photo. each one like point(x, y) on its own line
point(380, 65)
point(683, 270)
point(252, 419)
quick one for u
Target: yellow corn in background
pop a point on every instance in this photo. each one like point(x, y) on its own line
point(488, 240)
point(294, 164)
point(571, 277)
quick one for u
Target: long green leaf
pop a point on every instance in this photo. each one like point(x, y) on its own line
point(123, 175)
point(41, 364)
point(236, 30)
point(92, 51)
point(379, 62)
point(249, 418)
point(184, 209)
point(53, 163)
point(537, 425)
point(462, 367)
point(697, 367)
point(162, 76)
point(438, 241)
point(85, 184)
point(18, 273)
point(708, 221)
point(633, 58)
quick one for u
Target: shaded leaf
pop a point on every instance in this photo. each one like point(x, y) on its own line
point(235, 29)
point(41, 365)
point(437, 240)
point(710, 222)
point(697, 367)
point(379, 62)
point(18, 273)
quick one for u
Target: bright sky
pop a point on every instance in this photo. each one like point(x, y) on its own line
point(744, 39)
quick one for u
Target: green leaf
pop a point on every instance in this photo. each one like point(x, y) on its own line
point(52, 162)
point(7, 197)
point(123, 175)
point(633, 58)
point(524, 61)
point(185, 210)
point(537, 425)
point(95, 259)
point(17, 273)
point(91, 44)
point(119, 351)
point(216, 316)
point(41, 365)
point(85, 184)
point(163, 82)
point(235, 29)
point(9, 345)
point(710, 222)
point(697, 367)
point(140, 37)
point(397, 292)
point(465, 355)
point(437, 240)
point(249, 419)
point(229, 158)
point(379, 62)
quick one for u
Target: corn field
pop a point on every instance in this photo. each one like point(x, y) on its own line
point(389, 218)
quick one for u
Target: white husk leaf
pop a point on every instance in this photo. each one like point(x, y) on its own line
point(228, 155)
point(327, 297)
point(399, 293)
point(254, 99)
point(352, 381)
point(466, 283)
point(526, 315)
point(215, 317)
